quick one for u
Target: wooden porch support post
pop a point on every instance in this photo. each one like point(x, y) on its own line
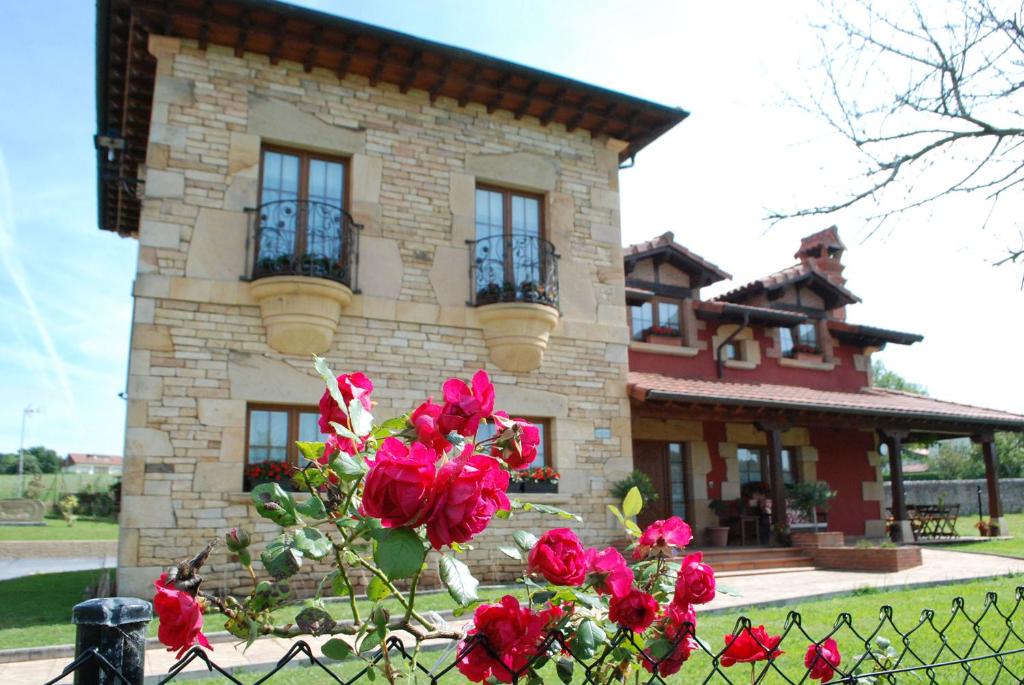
point(901, 531)
point(778, 487)
point(995, 502)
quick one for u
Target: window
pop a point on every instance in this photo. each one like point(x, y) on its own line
point(732, 351)
point(273, 430)
point(661, 317)
point(754, 465)
point(302, 203)
point(801, 338)
point(641, 317)
point(751, 465)
point(512, 260)
point(677, 479)
point(807, 336)
point(487, 430)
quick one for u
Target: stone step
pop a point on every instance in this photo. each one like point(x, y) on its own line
point(761, 564)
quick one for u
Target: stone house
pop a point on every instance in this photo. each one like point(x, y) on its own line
point(735, 397)
point(299, 183)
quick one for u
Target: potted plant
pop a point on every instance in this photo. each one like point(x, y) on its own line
point(508, 292)
point(805, 352)
point(543, 479)
point(488, 294)
point(530, 291)
point(662, 335)
point(807, 499)
point(984, 530)
point(636, 479)
point(269, 472)
point(718, 536)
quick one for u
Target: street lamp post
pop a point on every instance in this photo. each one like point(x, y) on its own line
point(21, 450)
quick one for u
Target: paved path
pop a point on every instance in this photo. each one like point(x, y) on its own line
point(939, 566)
point(16, 568)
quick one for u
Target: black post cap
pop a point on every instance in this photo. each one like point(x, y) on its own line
point(112, 611)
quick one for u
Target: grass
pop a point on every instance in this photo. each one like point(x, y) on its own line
point(37, 609)
point(85, 528)
point(1010, 548)
point(817, 619)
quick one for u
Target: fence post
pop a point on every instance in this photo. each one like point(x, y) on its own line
point(116, 628)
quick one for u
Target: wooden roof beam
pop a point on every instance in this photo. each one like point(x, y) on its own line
point(204, 25)
point(440, 80)
point(471, 83)
point(527, 96)
point(499, 93)
point(546, 118)
point(574, 123)
point(378, 68)
point(414, 70)
point(243, 34)
point(314, 49)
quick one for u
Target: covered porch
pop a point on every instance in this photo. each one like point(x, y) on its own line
point(695, 437)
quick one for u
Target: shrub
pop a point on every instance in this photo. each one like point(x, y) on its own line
point(68, 505)
point(636, 479)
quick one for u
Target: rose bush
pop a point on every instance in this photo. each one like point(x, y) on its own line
point(380, 497)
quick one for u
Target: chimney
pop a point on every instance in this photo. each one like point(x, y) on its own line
point(824, 250)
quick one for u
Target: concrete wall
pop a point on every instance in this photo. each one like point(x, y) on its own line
point(199, 352)
point(962, 492)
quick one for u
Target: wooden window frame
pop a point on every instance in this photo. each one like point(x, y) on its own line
point(655, 317)
point(506, 223)
point(765, 457)
point(687, 479)
point(293, 410)
point(305, 156)
point(762, 461)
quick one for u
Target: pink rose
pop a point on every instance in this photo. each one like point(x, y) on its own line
point(424, 421)
point(513, 633)
point(399, 484)
point(559, 557)
point(662, 535)
point(516, 443)
point(467, 492)
point(336, 443)
point(677, 627)
point(608, 572)
point(464, 408)
point(181, 618)
point(822, 660)
point(695, 582)
point(352, 386)
point(635, 610)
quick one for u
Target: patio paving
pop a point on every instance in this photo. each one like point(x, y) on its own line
point(779, 586)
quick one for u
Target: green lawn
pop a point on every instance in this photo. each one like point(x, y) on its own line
point(1010, 548)
point(818, 617)
point(85, 528)
point(46, 485)
point(37, 609)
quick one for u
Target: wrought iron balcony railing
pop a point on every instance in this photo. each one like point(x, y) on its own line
point(513, 268)
point(304, 238)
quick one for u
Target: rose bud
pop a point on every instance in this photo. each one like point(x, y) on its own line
point(237, 540)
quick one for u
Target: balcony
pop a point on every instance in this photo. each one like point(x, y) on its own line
point(304, 261)
point(514, 286)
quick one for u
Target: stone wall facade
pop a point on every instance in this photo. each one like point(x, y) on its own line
point(962, 492)
point(199, 353)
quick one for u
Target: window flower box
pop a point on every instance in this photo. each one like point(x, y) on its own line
point(269, 472)
point(536, 480)
point(663, 335)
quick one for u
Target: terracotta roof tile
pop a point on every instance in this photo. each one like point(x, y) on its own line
point(877, 402)
point(782, 278)
point(95, 459)
point(667, 240)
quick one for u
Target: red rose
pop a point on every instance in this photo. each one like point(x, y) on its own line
point(559, 557)
point(677, 628)
point(608, 572)
point(512, 633)
point(424, 421)
point(695, 582)
point(467, 492)
point(752, 644)
point(822, 660)
point(352, 386)
point(517, 442)
point(635, 610)
point(464, 409)
point(661, 535)
point(399, 484)
point(181, 618)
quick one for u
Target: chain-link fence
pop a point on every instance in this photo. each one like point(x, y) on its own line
point(981, 645)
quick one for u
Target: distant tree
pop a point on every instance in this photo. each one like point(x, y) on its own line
point(931, 96)
point(48, 460)
point(884, 378)
point(959, 459)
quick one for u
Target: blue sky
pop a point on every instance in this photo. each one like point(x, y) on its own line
point(65, 286)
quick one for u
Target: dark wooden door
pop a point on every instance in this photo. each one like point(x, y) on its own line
point(649, 457)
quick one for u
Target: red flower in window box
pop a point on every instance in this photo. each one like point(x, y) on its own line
point(269, 472)
point(662, 335)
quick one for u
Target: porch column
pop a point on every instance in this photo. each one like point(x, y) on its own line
point(901, 531)
point(778, 487)
point(995, 502)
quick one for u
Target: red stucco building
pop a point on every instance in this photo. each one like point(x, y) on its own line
point(735, 397)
